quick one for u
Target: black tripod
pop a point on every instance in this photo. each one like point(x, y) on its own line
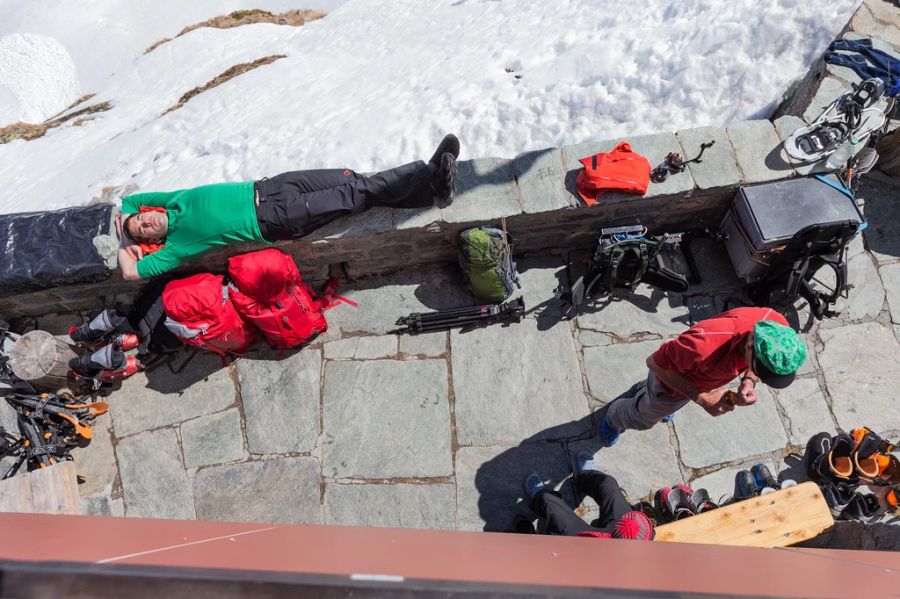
point(470, 317)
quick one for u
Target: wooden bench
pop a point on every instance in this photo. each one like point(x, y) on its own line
point(777, 519)
point(52, 490)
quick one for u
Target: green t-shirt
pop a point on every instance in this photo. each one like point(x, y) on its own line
point(200, 219)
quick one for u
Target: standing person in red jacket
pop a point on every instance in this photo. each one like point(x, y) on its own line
point(754, 343)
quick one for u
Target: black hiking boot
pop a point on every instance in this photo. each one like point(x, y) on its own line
point(444, 180)
point(863, 507)
point(816, 457)
point(448, 145)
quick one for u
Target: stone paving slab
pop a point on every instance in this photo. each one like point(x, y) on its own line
point(541, 178)
point(882, 236)
point(705, 440)
point(213, 439)
point(878, 19)
point(866, 297)
point(426, 345)
point(372, 221)
point(279, 491)
point(641, 461)
point(539, 276)
point(382, 302)
point(758, 149)
point(829, 90)
point(490, 482)
point(485, 189)
point(719, 167)
point(507, 389)
point(654, 147)
point(805, 410)
point(281, 401)
point(102, 506)
point(417, 218)
point(386, 418)
point(396, 506)
point(612, 369)
point(361, 348)
point(890, 276)
point(153, 476)
point(860, 367)
point(161, 398)
point(96, 463)
point(648, 311)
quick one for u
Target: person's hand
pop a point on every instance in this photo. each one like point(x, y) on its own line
point(119, 226)
point(746, 393)
point(714, 403)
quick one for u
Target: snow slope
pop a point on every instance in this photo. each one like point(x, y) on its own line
point(377, 83)
point(37, 78)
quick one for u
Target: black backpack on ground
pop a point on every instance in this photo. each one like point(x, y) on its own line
point(792, 270)
point(624, 257)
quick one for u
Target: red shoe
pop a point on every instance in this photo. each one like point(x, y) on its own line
point(132, 365)
point(126, 341)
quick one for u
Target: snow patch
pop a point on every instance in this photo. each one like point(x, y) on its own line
point(37, 78)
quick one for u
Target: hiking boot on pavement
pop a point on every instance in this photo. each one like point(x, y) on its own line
point(837, 496)
point(816, 456)
point(863, 507)
point(746, 485)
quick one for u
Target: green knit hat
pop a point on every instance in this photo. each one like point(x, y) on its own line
point(778, 352)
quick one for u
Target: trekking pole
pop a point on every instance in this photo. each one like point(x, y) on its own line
point(473, 316)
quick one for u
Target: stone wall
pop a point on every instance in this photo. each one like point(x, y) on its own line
point(534, 192)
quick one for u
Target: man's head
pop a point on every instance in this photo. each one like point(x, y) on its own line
point(146, 227)
point(776, 353)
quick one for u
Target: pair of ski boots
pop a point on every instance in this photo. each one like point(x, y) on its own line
point(681, 501)
point(106, 361)
point(861, 456)
point(843, 128)
point(757, 481)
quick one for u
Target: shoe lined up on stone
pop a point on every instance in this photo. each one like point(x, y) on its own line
point(860, 455)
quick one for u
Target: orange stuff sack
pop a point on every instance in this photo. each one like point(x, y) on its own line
point(620, 170)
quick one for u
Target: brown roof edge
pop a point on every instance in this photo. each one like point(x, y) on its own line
point(397, 555)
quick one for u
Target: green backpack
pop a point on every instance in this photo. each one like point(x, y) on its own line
point(485, 257)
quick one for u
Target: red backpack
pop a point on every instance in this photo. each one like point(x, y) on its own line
point(273, 297)
point(200, 313)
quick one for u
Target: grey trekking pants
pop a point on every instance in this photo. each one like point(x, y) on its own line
point(642, 406)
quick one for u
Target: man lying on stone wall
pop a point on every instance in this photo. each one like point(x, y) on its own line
point(753, 343)
point(178, 226)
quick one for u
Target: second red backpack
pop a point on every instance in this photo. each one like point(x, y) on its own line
point(272, 296)
point(200, 313)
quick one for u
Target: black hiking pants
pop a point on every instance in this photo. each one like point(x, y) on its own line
point(295, 204)
point(562, 520)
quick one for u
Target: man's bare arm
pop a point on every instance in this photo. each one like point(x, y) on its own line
point(129, 254)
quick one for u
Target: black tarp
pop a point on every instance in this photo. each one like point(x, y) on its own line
point(48, 249)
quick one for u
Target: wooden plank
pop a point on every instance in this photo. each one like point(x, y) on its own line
point(52, 490)
point(777, 519)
